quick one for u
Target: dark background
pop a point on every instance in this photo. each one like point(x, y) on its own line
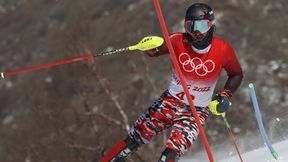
point(77, 112)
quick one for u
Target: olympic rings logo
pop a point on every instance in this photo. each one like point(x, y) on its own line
point(196, 64)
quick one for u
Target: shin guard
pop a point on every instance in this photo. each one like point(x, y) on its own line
point(121, 151)
point(168, 155)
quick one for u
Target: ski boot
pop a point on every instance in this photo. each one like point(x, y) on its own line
point(168, 155)
point(121, 151)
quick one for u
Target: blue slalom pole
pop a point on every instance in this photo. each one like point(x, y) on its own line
point(260, 123)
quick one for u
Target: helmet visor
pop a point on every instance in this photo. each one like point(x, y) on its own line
point(197, 25)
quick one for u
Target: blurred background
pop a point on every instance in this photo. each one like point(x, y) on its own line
point(77, 112)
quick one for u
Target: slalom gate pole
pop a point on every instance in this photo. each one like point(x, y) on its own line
point(232, 137)
point(259, 121)
point(181, 77)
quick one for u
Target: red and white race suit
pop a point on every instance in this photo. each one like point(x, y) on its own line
point(201, 71)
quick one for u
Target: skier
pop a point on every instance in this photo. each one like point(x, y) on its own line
point(201, 57)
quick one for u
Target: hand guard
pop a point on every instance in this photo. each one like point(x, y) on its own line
point(220, 102)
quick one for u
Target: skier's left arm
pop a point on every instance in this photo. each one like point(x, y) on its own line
point(222, 100)
point(233, 69)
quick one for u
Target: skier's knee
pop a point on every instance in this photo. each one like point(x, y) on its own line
point(137, 135)
point(181, 141)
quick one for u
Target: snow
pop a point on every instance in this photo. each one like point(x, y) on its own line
point(7, 120)
point(258, 155)
point(48, 79)
point(9, 84)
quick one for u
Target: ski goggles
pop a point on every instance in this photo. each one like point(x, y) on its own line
point(198, 25)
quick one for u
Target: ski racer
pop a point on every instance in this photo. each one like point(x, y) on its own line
point(201, 56)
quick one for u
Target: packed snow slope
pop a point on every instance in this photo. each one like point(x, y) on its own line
point(258, 155)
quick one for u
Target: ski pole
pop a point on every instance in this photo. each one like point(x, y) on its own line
point(145, 44)
point(232, 137)
point(259, 121)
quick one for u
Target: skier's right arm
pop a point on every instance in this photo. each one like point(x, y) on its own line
point(161, 50)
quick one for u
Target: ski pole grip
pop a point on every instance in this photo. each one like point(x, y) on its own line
point(2, 75)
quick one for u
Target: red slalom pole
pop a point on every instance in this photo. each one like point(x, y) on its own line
point(182, 80)
point(6, 74)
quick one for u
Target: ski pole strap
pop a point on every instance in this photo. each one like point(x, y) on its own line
point(259, 121)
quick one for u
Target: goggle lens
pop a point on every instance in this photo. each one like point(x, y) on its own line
point(198, 25)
